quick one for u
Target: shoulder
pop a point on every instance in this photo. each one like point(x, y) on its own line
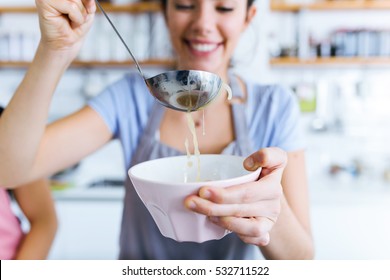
point(125, 101)
point(130, 85)
point(129, 91)
point(258, 92)
point(273, 116)
point(271, 99)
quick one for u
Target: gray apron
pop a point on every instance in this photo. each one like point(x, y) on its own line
point(140, 238)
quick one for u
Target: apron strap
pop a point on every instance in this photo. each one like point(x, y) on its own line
point(240, 124)
point(154, 120)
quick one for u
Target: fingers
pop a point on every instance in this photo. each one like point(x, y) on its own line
point(267, 208)
point(251, 222)
point(90, 6)
point(266, 188)
point(76, 10)
point(259, 241)
point(250, 230)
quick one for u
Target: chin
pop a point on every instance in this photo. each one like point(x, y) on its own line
point(200, 67)
point(197, 64)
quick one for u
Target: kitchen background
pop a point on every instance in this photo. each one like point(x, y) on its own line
point(335, 55)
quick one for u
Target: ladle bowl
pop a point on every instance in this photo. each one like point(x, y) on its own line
point(185, 90)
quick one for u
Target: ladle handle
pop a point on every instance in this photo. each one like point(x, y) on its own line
point(120, 37)
point(228, 90)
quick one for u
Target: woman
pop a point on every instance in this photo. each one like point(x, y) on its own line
point(34, 200)
point(268, 218)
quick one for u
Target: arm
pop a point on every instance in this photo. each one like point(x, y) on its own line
point(37, 205)
point(291, 235)
point(266, 213)
point(26, 148)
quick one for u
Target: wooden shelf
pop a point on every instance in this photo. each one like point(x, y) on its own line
point(282, 6)
point(96, 64)
point(133, 8)
point(330, 61)
point(122, 64)
point(141, 7)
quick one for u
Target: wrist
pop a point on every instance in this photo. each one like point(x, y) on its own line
point(61, 58)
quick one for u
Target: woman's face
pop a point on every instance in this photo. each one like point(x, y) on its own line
point(204, 33)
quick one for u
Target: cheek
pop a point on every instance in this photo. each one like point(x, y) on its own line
point(232, 35)
point(232, 29)
point(175, 27)
point(173, 32)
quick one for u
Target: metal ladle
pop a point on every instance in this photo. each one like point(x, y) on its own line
point(182, 90)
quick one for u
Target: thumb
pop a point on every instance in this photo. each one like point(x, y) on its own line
point(268, 158)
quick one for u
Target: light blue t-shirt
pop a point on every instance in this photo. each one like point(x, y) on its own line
point(270, 117)
point(272, 114)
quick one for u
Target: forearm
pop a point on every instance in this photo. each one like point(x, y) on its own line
point(289, 239)
point(23, 122)
point(37, 243)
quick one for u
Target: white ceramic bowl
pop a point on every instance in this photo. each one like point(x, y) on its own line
point(164, 183)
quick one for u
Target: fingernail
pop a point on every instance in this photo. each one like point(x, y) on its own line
point(206, 194)
point(214, 219)
point(249, 162)
point(191, 204)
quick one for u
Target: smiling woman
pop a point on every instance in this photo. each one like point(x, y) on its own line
point(268, 217)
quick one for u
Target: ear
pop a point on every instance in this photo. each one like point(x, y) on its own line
point(250, 15)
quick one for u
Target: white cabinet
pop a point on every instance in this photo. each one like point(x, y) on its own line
point(89, 218)
point(88, 229)
point(352, 230)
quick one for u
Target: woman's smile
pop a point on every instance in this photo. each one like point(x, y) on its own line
point(202, 48)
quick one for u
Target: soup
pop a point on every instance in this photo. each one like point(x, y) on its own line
point(188, 101)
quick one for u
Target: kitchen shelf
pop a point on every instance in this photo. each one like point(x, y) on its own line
point(327, 5)
point(123, 64)
point(281, 6)
point(331, 61)
point(96, 64)
point(141, 7)
point(132, 8)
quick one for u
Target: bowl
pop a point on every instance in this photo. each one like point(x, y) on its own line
point(163, 184)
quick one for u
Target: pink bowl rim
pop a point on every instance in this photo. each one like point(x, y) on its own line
point(242, 179)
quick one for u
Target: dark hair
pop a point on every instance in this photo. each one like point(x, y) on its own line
point(1, 110)
point(164, 3)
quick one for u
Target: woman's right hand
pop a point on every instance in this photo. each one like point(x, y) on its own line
point(64, 24)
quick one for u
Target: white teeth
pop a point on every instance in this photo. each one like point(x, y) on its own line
point(203, 47)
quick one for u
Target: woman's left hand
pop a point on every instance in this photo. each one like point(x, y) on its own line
point(251, 209)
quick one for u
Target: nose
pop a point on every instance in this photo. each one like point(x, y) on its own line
point(204, 20)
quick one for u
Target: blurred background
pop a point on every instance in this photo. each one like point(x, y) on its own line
point(334, 55)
